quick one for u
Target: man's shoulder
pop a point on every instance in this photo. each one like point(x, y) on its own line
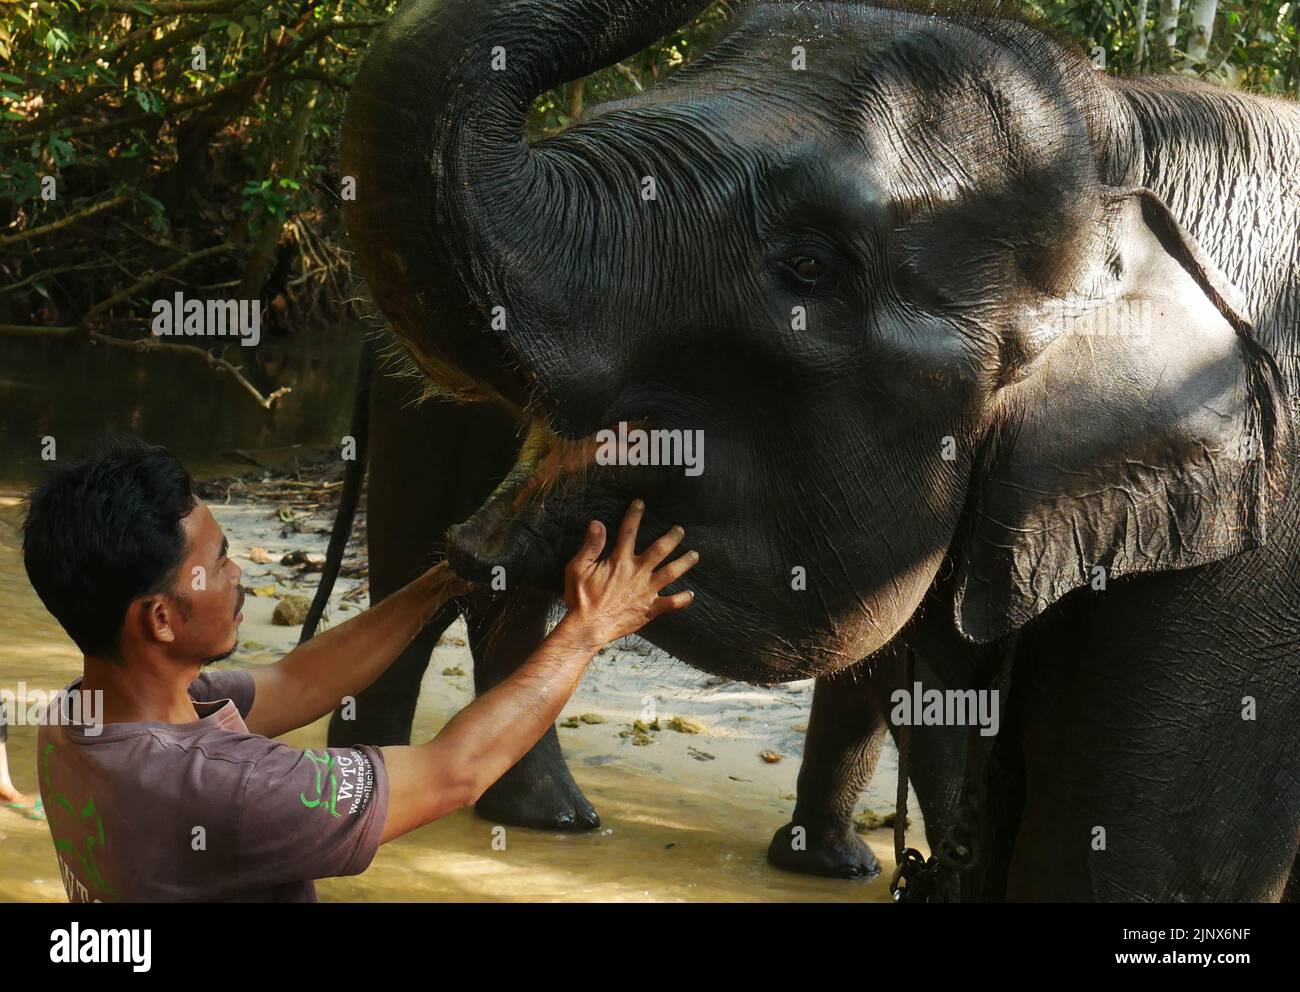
point(234, 684)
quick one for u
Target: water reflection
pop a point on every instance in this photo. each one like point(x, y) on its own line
point(70, 391)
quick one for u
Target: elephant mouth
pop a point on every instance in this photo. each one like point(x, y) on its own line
point(541, 508)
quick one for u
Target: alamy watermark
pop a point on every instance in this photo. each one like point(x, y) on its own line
point(918, 707)
point(656, 446)
point(32, 708)
point(179, 317)
point(95, 946)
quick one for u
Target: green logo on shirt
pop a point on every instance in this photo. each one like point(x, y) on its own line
point(324, 766)
point(88, 820)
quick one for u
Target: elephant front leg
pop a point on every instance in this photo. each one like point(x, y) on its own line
point(538, 791)
point(846, 730)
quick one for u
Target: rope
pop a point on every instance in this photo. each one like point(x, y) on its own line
point(900, 800)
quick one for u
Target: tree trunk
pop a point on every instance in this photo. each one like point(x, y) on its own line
point(1140, 47)
point(1168, 26)
point(575, 99)
point(259, 263)
point(1293, 70)
point(1198, 44)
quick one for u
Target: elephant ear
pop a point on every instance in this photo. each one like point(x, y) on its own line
point(1145, 431)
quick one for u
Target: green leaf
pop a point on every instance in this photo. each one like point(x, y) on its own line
point(56, 40)
point(156, 204)
point(62, 151)
point(9, 77)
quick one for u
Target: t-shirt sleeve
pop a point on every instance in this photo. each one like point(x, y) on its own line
point(312, 813)
point(234, 684)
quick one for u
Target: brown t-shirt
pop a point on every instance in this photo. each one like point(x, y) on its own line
point(206, 811)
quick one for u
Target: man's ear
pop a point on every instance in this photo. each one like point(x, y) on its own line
point(1146, 432)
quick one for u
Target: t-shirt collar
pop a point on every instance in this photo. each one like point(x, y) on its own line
point(213, 714)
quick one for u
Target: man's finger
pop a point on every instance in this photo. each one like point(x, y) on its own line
point(666, 604)
point(674, 570)
point(663, 547)
point(626, 544)
point(592, 545)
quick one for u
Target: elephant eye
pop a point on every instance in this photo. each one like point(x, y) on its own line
point(805, 267)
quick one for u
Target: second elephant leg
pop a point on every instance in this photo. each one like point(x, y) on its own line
point(846, 730)
point(383, 713)
point(538, 791)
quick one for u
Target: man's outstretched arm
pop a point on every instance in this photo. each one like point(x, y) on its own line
point(606, 600)
point(313, 678)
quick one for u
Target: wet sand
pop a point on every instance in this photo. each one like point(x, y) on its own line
point(686, 817)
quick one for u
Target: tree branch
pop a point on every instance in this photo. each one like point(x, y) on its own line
point(84, 331)
point(172, 6)
point(151, 344)
point(148, 279)
point(66, 221)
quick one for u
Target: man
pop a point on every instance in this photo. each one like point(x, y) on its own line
point(180, 793)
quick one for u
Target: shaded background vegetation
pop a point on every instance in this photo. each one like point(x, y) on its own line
point(190, 145)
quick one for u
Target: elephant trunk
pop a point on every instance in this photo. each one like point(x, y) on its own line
point(451, 208)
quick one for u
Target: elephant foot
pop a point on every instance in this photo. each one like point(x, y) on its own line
point(527, 796)
point(835, 852)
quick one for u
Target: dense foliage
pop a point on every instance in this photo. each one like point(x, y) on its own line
point(149, 146)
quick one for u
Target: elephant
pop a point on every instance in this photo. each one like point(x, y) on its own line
point(996, 357)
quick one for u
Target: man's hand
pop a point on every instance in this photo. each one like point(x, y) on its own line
point(616, 597)
point(445, 584)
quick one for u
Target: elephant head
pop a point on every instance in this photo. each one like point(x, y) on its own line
point(898, 268)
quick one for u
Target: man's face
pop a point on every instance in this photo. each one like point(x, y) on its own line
point(207, 624)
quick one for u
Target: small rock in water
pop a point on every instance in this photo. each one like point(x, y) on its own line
point(685, 725)
point(771, 757)
point(291, 611)
point(640, 732)
point(571, 723)
point(259, 556)
point(306, 560)
point(453, 670)
point(252, 645)
point(870, 820)
point(591, 718)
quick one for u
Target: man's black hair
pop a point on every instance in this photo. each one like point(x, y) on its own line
point(103, 531)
